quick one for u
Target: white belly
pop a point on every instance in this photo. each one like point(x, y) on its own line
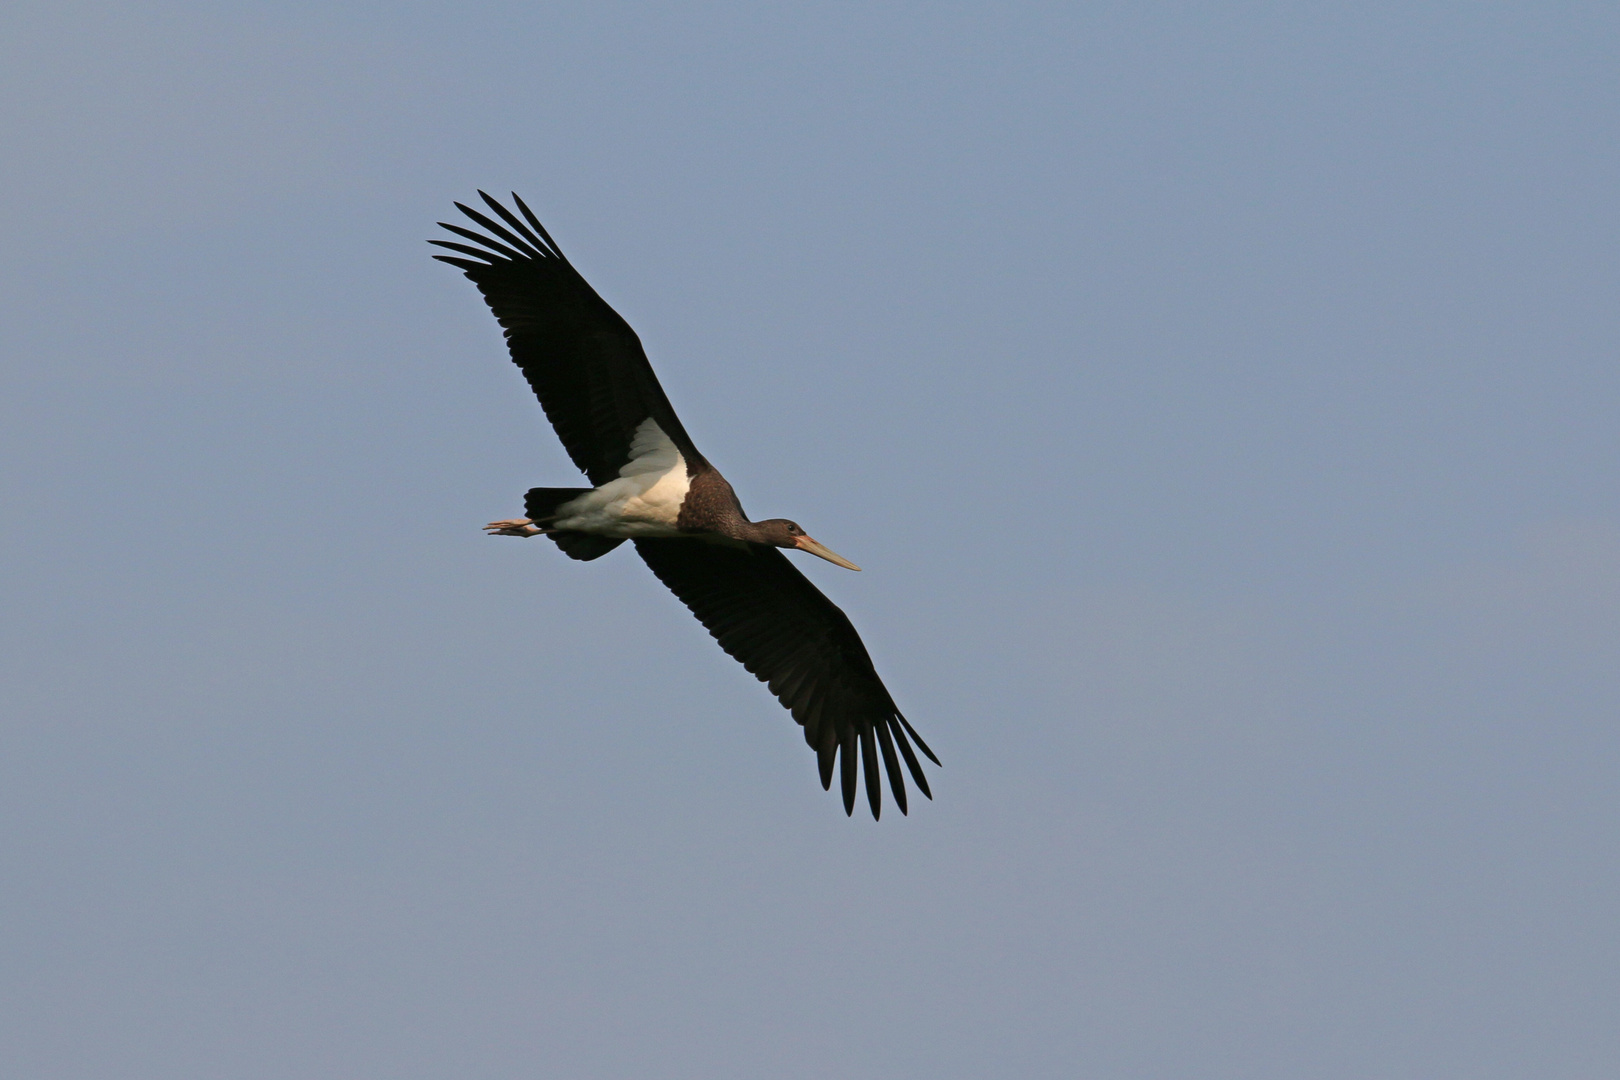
point(645, 499)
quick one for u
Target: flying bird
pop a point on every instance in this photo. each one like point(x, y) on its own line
point(651, 486)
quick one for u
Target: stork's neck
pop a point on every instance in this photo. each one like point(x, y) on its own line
point(755, 532)
point(711, 506)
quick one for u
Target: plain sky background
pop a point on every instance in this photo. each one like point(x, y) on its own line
point(1223, 400)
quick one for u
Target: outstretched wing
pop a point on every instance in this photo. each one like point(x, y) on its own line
point(768, 615)
point(584, 362)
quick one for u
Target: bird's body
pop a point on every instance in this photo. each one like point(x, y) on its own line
point(651, 486)
point(645, 499)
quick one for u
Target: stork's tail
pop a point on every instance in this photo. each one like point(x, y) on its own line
point(541, 506)
point(541, 503)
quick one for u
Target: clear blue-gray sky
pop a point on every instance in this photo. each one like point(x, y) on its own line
point(1222, 399)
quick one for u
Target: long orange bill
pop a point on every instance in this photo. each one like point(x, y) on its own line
point(804, 543)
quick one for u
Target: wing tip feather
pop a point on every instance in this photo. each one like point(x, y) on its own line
point(920, 744)
point(911, 759)
point(464, 264)
point(846, 749)
point(522, 244)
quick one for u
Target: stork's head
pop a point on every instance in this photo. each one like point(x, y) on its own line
point(787, 534)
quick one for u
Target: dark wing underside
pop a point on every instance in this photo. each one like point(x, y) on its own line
point(768, 615)
point(584, 362)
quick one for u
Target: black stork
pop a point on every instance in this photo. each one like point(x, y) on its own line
point(651, 486)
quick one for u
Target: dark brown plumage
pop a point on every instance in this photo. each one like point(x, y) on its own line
point(593, 380)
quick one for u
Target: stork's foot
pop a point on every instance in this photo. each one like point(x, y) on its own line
point(515, 527)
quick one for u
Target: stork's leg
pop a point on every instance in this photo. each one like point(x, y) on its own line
point(515, 527)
